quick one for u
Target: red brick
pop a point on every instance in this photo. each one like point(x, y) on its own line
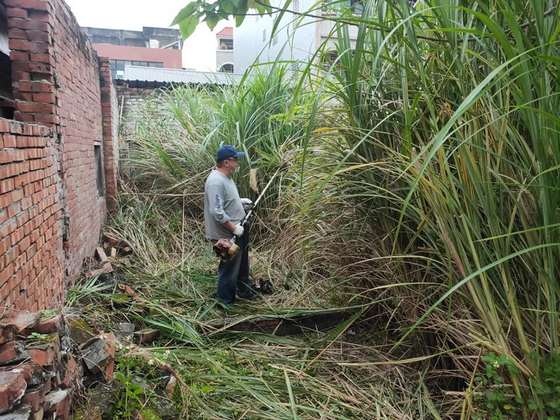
point(25, 96)
point(40, 47)
point(19, 56)
point(15, 127)
point(17, 235)
point(42, 356)
point(41, 58)
point(5, 244)
point(46, 118)
point(28, 4)
point(6, 185)
point(14, 209)
point(37, 36)
point(21, 116)
point(12, 389)
point(20, 321)
point(7, 228)
point(12, 352)
point(47, 98)
point(23, 85)
point(14, 12)
point(6, 335)
point(58, 402)
point(5, 199)
point(34, 398)
point(18, 75)
point(34, 107)
point(32, 373)
point(20, 44)
point(36, 24)
point(17, 33)
point(20, 66)
point(17, 195)
point(42, 87)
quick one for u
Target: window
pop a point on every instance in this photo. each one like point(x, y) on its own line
point(7, 104)
point(329, 58)
point(118, 66)
point(226, 44)
point(226, 68)
point(144, 63)
point(99, 170)
point(357, 6)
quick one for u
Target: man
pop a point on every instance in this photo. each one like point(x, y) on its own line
point(223, 212)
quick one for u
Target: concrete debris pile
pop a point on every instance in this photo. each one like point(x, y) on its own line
point(43, 359)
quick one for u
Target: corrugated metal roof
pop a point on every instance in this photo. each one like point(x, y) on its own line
point(162, 75)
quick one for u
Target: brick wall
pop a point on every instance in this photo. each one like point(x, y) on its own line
point(56, 83)
point(31, 258)
point(80, 130)
point(130, 99)
point(110, 111)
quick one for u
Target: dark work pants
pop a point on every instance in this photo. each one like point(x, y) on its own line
point(233, 273)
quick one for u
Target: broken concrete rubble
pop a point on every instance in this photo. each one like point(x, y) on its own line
point(125, 331)
point(12, 352)
point(146, 336)
point(32, 373)
point(105, 269)
point(78, 329)
point(41, 367)
point(58, 402)
point(22, 413)
point(50, 325)
point(171, 385)
point(100, 252)
point(12, 389)
point(99, 355)
point(19, 322)
point(34, 397)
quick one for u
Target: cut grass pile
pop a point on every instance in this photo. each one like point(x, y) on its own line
point(226, 374)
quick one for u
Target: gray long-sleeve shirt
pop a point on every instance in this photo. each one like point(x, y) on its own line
point(221, 204)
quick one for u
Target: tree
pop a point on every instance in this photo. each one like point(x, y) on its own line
point(213, 12)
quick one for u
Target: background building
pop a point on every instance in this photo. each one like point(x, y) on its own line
point(297, 37)
point(150, 47)
point(225, 50)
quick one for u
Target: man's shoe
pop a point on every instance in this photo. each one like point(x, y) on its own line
point(247, 295)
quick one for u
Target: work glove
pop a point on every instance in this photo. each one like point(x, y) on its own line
point(247, 204)
point(238, 231)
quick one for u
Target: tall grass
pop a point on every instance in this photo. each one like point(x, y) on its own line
point(451, 149)
point(422, 180)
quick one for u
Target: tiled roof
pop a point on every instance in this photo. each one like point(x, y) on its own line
point(227, 32)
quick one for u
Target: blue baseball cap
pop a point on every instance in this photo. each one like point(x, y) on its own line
point(227, 151)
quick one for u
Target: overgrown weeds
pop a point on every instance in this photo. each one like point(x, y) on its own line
point(422, 184)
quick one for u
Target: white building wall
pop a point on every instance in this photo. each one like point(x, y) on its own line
point(224, 57)
point(296, 38)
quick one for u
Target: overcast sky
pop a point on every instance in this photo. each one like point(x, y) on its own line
point(199, 51)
